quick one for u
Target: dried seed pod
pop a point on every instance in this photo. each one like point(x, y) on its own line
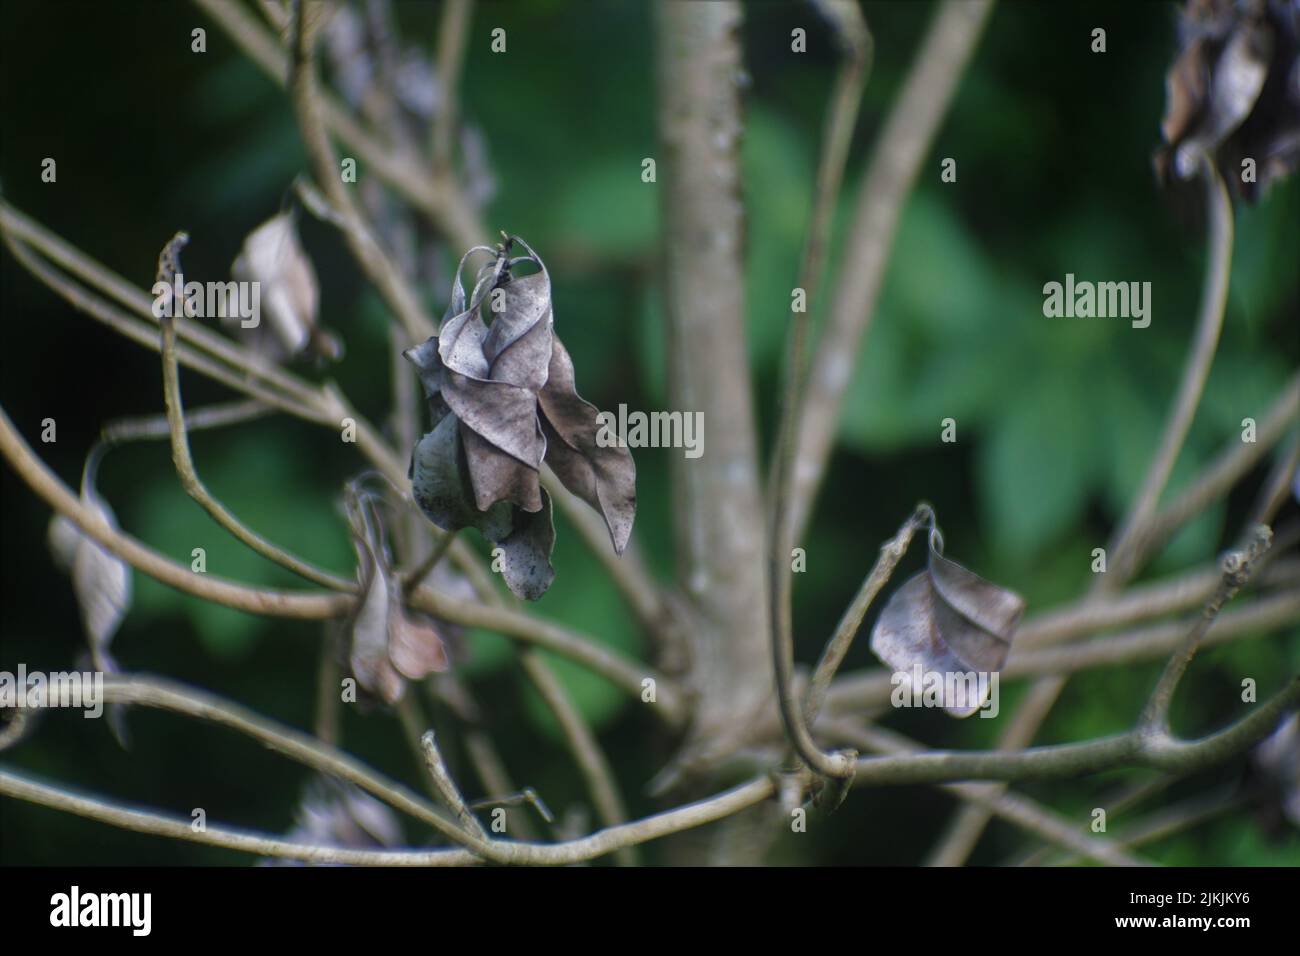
point(501, 392)
point(948, 620)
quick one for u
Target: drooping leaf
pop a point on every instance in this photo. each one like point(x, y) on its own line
point(1232, 92)
point(389, 644)
point(289, 295)
point(338, 814)
point(502, 398)
point(948, 621)
point(602, 476)
point(100, 579)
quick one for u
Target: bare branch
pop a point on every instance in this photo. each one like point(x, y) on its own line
point(586, 750)
point(904, 143)
point(365, 248)
point(1014, 808)
point(447, 788)
point(719, 544)
point(207, 586)
point(194, 485)
point(1214, 296)
point(453, 34)
point(1238, 566)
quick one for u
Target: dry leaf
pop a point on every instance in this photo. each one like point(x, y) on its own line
point(100, 579)
point(1279, 757)
point(1234, 91)
point(338, 814)
point(502, 398)
point(389, 643)
point(289, 294)
point(101, 582)
point(948, 621)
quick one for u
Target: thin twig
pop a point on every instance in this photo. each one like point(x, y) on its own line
point(1238, 566)
point(328, 696)
point(1014, 808)
point(453, 35)
point(903, 144)
point(1127, 549)
point(1214, 297)
point(367, 251)
point(103, 810)
point(592, 763)
point(841, 116)
point(421, 571)
point(447, 788)
point(148, 427)
point(189, 476)
point(891, 552)
point(447, 689)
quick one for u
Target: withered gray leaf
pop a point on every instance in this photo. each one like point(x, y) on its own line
point(949, 621)
point(440, 486)
point(338, 814)
point(502, 399)
point(1279, 757)
point(604, 477)
point(388, 643)
point(101, 581)
point(526, 557)
point(289, 295)
point(1234, 91)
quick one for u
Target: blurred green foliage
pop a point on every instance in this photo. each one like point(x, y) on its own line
point(1056, 418)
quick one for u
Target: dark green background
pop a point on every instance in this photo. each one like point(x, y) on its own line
point(1056, 418)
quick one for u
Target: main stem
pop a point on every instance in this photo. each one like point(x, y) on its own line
point(718, 525)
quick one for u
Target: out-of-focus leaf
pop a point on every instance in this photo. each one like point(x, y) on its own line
point(773, 156)
point(289, 295)
point(1279, 757)
point(1036, 466)
point(338, 814)
point(1232, 92)
point(607, 206)
point(100, 579)
point(267, 481)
